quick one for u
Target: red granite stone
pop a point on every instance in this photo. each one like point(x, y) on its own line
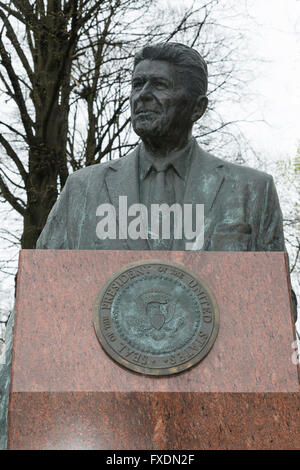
point(162, 420)
point(66, 393)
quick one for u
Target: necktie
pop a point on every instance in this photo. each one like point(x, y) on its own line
point(162, 192)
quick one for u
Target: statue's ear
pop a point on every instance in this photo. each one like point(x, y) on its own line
point(199, 108)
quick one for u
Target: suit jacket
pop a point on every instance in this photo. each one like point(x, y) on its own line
point(241, 207)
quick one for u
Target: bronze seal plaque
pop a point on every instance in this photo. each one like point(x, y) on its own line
point(156, 318)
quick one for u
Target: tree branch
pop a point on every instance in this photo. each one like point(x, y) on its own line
point(13, 39)
point(18, 96)
point(14, 13)
point(10, 198)
point(12, 154)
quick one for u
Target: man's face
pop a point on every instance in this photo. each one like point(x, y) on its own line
point(160, 106)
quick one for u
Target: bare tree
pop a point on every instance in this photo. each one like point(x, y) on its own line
point(39, 85)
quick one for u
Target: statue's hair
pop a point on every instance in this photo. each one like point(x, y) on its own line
point(188, 62)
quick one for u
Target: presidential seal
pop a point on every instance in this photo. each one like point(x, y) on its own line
point(156, 318)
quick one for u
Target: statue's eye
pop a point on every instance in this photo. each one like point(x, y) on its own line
point(161, 85)
point(137, 84)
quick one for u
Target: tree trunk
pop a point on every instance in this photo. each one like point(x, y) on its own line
point(41, 193)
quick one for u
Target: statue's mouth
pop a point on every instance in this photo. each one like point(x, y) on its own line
point(145, 112)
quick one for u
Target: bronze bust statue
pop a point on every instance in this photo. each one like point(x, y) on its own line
point(241, 207)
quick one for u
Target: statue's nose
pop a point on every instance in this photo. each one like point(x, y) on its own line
point(146, 91)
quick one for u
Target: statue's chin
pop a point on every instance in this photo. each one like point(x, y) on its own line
point(148, 129)
point(147, 133)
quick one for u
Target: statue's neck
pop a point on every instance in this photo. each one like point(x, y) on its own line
point(159, 147)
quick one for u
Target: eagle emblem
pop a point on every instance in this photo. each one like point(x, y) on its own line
point(157, 315)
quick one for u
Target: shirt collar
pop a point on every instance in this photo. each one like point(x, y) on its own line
point(179, 160)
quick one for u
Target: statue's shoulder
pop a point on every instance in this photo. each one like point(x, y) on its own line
point(99, 170)
point(235, 170)
point(84, 174)
point(246, 173)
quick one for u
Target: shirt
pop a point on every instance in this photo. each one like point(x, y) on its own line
point(176, 174)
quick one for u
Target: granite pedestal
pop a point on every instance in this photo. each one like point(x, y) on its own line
point(66, 393)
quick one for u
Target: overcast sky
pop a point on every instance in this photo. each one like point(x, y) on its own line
point(277, 40)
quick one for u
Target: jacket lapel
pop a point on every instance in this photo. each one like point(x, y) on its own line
point(204, 182)
point(122, 179)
